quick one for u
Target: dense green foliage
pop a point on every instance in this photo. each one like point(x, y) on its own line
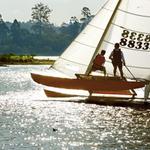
point(17, 58)
point(39, 36)
point(22, 59)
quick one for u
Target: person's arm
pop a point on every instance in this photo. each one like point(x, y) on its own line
point(111, 55)
point(123, 60)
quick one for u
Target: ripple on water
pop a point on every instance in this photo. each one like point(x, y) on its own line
point(27, 122)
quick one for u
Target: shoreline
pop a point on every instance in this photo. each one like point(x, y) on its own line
point(33, 62)
point(12, 59)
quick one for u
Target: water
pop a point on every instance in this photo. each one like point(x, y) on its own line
point(29, 122)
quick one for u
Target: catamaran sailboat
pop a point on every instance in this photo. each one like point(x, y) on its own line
point(118, 21)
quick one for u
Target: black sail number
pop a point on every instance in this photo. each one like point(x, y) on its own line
point(146, 46)
point(125, 33)
point(133, 35)
point(131, 44)
point(135, 40)
point(139, 45)
point(147, 39)
point(123, 42)
point(140, 37)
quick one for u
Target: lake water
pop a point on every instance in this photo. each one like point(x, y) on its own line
point(28, 121)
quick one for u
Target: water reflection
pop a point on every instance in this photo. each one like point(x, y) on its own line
point(29, 124)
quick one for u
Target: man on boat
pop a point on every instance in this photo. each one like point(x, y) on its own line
point(98, 63)
point(118, 60)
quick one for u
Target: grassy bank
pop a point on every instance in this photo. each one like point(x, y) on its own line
point(10, 59)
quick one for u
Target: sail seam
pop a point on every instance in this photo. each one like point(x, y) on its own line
point(129, 29)
point(129, 13)
point(134, 14)
point(127, 48)
point(103, 7)
point(84, 44)
point(72, 61)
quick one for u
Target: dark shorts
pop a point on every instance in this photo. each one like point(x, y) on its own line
point(101, 68)
point(117, 64)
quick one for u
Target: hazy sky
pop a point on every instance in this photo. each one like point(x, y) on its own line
point(62, 9)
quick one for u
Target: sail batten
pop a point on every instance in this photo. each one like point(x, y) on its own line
point(145, 16)
point(95, 26)
point(72, 61)
point(129, 28)
point(84, 44)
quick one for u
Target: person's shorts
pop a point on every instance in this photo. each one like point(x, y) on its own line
point(95, 67)
point(117, 64)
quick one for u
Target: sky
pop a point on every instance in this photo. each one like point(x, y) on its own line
point(63, 10)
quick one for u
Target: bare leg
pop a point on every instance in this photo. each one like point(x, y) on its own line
point(115, 69)
point(120, 69)
point(104, 71)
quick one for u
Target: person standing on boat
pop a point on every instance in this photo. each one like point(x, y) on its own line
point(98, 63)
point(117, 58)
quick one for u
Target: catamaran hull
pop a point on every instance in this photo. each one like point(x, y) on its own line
point(91, 85)
point(60, 94)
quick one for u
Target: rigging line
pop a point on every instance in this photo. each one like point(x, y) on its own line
point(132, 66)
point(84, 44)
point(144, 16)
point(128, 48)
point(72, 61)
point(129, 29)
point(130, 72)
point(133, 91)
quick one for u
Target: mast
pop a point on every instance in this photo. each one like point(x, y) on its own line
point(102, 38)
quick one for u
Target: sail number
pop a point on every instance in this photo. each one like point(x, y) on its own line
point(135, 40)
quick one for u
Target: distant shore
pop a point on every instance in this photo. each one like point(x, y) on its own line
point(10, 59)
point(34, 62)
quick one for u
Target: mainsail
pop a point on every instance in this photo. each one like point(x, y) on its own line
point(77, 57)
point(124, 21)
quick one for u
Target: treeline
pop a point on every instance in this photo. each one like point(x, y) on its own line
point(8, 59)
point(38, 36)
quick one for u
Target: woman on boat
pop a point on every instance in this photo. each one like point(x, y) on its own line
point(98, 63)
point(117, 58)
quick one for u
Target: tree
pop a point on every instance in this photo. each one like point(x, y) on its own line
point(86, 17)
point(74, 26)
point(16, 32)
point(4, 30)
point(86, 12)
point(40, 15)
point(73, 20)
point(15, 27)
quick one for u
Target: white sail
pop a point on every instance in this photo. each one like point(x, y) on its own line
point(130, 28)
point(78, 55)
point(124, 21)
